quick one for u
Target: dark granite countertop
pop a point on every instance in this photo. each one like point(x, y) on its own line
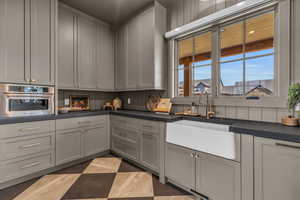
point(259, 129)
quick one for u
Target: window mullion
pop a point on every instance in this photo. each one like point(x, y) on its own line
point(244, 57)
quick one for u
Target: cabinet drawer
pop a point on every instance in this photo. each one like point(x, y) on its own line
point(22, 146)
point(25, 166)
point(26, 129)
point(151, 126)
point(125, 134)
point(124, 147)
point(74, 123)
point(125, 122)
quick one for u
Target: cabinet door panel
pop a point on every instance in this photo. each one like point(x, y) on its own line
point(180, 165)
point(105, 58)
point(217, 178)
point(12, 31)
point(133, 54)
point(121, 69)
point(66, 48)
point(147, 71)
point(87, 49)
point(41, 32)
point(276, 172)
point(150, 150)
point(125, 147)
point(95, 140)
point(68, 146)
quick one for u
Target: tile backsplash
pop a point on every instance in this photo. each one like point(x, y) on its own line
point(97, 99)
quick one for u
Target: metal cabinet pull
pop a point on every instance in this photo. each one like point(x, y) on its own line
point(287, 145)
point(192, 155)
point(30, 146)
point(29, 129)
point(31, 165)
point(85, 122)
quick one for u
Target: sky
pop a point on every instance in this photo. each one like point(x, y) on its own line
point(261, 68)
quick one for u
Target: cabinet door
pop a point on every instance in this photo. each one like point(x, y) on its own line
point(68, 146)
point(126, 147)
point(133, 54)
point(87, 49)
point(147, 70)
point(105, 58)
point(217, 178)
point(276, 170)
point(180, 165)
point(121, 69)
point(42, 31)
point(12, 48)
point(66, 48)
point(95, 140)
point(150, 150)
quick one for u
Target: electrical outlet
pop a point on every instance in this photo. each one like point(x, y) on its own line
point(67, 102)
point(129, 101)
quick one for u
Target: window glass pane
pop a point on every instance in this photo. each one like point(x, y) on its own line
point(231, 78)
point(180, 82)
point(203, 48)
point(260, 76)
point(260, 35)
point(185, 60)
point(202, 80)
point(231, 41)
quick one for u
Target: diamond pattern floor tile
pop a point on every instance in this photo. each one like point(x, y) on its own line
point(103, 165)
point(76, 169)
point(126, 167)
point(132, 184)
point(90, 186)
point(166, 189)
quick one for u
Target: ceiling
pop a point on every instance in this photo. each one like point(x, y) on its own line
point(114, 12)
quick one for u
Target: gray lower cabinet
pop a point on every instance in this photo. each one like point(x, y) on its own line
point(80, 137)
point(27, 40)
point(68, 146)
point(212, 177)
point(276, 169)
point(150, 149)
point(26, 148)
point(218, 179)
point(180, 166)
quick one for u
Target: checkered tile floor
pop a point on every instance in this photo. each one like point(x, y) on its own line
point(107, 178)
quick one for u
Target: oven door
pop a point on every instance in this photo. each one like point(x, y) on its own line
point(22, 105)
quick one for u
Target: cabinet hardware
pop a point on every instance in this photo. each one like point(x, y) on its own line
point(28, 129)
point(192, 155)
point(85, 122)
point(30, 146)
point(33, 80)
point(202, 197)
point(31, 165)
point(27, 79)
point(197, 156)
point(287, 145)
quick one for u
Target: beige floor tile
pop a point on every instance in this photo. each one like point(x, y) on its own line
point(103, 165)
point(50, 187)
point(132, 184)
point(175, 198)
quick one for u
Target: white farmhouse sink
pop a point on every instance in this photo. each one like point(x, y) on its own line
point(205, 137)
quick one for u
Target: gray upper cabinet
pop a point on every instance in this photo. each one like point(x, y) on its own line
point(276, 170)
point(141, 51)
point(66, 48)
point(27, 41)
point(122, 58)
point(87, 46)
point(42, 41)
point(87, 50)
point(12, 31)
point(105, 58)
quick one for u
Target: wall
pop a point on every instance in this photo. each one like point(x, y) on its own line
point(181, 12)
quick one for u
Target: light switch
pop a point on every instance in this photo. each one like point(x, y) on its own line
point(129, 101)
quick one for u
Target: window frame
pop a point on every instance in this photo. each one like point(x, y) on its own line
point(282, 61)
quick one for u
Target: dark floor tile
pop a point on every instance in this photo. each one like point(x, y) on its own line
point(76, 169)
point(166, 189)
point(11, 192)
point(91, 186)
point(126, 167)
point(135, 198)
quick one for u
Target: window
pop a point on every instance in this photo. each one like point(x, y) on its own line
point(194, 70)
point(247, 57)
point(244, 65)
